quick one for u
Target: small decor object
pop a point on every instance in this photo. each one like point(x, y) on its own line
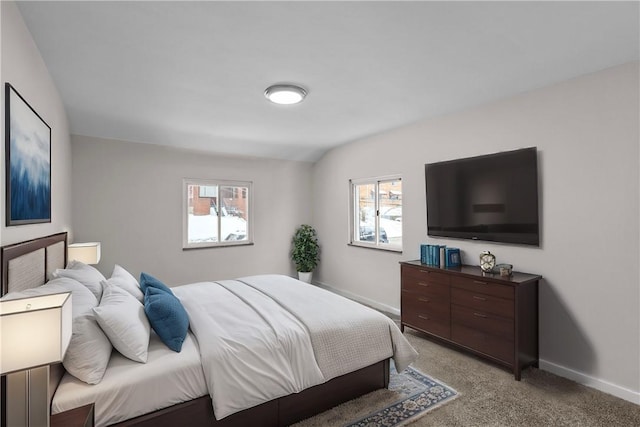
point(306, 251)
point(453, 257)
point(487, 261)
point(423, 253)
point(433, 255)
point(505, 270)
point(27, 162)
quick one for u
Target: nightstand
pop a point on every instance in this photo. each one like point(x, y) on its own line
point(78, 417)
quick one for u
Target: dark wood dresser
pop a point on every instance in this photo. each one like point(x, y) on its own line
point(488, 315)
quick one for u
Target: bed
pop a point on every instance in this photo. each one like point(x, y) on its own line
point(28, 264)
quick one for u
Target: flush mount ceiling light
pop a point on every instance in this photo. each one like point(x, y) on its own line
point(285, 94)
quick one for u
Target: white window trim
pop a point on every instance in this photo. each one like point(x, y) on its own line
point(185, 213)
point(353, 212)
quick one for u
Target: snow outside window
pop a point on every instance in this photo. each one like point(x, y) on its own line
point(376, 213)
point(216, 213)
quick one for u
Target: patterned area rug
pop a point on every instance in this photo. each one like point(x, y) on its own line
point(417, 395)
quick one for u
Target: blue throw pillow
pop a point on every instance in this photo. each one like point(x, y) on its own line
point(148, 281)
point(167, 317)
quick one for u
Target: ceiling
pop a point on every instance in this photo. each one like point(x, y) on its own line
point(192, 74)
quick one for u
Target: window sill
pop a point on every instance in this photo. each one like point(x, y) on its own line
point(228, 245)
point(379, 248)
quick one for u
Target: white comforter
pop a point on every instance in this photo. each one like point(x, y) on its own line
point(252, 350)
point(263, 337)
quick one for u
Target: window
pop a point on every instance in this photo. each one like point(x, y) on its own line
point(376, 213)
point(216, 213)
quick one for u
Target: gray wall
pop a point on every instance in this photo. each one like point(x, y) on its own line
point(587, 134)
point(23, 67)
point(129, 197)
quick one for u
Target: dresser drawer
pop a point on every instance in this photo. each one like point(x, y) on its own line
point(424, 275)
point(482, 321)
point(436, 307)
point(427, 323)
point(483, 342)
point(483, 302)
point(482, 286)
point(425, 288)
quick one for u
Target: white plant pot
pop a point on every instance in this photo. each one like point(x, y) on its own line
point(305, 277)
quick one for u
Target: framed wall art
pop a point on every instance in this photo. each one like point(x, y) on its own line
point(27, 162)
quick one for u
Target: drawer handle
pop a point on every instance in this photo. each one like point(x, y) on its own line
point(423, 284)
point(423, 317)
point(425, 271)
point(479, 298)
point(479, 282)
point(423, 299)
point(480, 315)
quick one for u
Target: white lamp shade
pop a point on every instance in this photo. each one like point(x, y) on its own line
point(34, 331)
point(88, 253)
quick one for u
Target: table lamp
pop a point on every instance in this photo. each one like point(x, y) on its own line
point(34, 333)
point(88, 253)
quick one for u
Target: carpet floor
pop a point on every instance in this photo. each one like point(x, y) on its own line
point(489, 396)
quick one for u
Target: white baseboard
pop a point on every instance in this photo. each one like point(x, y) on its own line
point(360, 299)
point(589, 381)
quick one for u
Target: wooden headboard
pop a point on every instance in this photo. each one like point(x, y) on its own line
point(27, 265)
point(30, 264)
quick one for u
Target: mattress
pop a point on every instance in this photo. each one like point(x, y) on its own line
point(130, 389)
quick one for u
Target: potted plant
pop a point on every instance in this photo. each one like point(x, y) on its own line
point(306, 251)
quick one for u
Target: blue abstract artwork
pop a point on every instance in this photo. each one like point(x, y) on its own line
point(28, 162)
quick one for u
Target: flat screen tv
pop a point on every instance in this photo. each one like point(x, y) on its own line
point(492, 198)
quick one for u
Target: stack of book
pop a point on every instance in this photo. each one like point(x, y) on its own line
point(439, 256)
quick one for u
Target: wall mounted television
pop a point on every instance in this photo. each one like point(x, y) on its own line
point(492, 198)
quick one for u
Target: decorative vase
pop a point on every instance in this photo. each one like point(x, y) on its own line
point(305, 276)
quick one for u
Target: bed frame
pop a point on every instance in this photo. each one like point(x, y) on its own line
point(29, 264)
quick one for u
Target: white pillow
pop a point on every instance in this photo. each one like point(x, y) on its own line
point(82, 299)
point(89, 350)
point(124, 280)
point(85, 274)
point(122, 319)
